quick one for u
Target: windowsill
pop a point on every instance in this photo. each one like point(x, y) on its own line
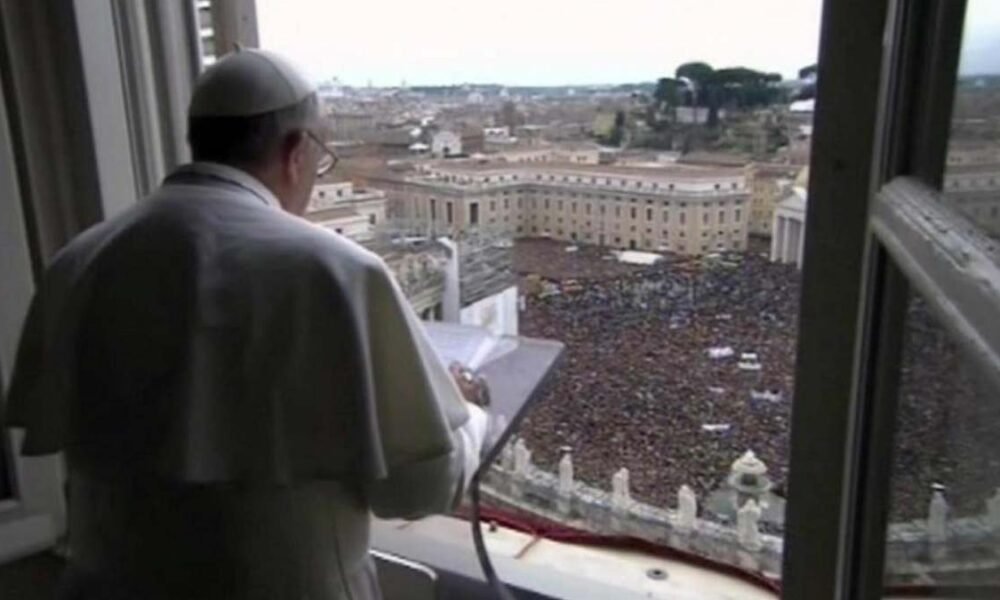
point(23, 533)
point(554, 569)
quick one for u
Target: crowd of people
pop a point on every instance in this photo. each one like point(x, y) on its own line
point(557, 262)
point(947, 418)
point(674, 370)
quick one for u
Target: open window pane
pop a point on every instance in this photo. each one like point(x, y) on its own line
point(944, 515)
point(972, 175)
point(944, 509)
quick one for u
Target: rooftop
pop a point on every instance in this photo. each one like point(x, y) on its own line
point(673, 171)
point(963, 169)
point(336, 212)
point(721, 159)
point(775, 169)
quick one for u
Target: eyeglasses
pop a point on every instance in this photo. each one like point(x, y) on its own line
point(328, 160)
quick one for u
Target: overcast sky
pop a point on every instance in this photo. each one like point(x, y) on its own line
point(548, 42)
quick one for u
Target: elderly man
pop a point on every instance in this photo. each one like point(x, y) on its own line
point(234, 388)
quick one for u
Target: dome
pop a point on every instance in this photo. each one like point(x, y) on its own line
point(749, 464)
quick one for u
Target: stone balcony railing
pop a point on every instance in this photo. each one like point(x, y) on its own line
point(916, 550)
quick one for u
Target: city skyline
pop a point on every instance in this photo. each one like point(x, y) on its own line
point(444, 42)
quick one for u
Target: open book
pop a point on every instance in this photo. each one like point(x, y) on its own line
point(467, 344)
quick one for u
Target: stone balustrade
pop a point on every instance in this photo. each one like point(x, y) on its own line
point(915, 549)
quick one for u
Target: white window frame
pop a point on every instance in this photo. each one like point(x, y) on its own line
point(882, 149)
point(36, 516)
point(102, 44)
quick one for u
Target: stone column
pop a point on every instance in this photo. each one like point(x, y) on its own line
point(802, 243)
point(564, 499)
point(522, 464)
point(786, 241)
point(791, 248)
point(507, 458)
point(621, 501)
point(937, 526)
point(937, 519)
point(621, 498)
point(687, 510)
point(775, 238)
point(747, 524)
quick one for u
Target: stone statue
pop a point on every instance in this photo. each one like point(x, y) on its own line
point(522, 458)
point(687, 509)
point(993, 510)
point(566, 474)
point(937, 518)
point(507, 457)
point(747, 520)
point(620, 497)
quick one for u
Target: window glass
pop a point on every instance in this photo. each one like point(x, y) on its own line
point(944, 511)
point(945, 492)
point(972, 172)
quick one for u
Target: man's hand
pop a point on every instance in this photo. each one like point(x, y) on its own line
point(473, 387)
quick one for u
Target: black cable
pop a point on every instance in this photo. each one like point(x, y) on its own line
point(491, 456)
point(502, 592)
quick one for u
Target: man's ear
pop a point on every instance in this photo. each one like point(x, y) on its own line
point(294, 154)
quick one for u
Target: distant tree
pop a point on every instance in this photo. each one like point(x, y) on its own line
point(705, 92)
point(666, 97)
point(806, 92)
point(746, 88)
point(509, 116)
point(618, 131)
point(699, 72)
point(808, 72)
point(701, 75)
point(699, 85)
point(667, 93)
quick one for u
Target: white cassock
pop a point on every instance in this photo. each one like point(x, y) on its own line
point(236, 390)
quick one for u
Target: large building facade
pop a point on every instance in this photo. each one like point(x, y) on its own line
point(789, 227)
point(688, 210)
point(347, 210)
point(769, 184)
point(972, 183)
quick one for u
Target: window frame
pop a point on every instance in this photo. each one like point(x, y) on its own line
point(845, 121)
point(919, 82)
point(36, 515)
point(908, 109)
point(72, 87)
point(850, 283)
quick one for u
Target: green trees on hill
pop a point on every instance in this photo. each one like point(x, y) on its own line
point(698, 84)
point(616, 135)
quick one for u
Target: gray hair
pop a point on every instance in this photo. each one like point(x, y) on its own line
point(252, 140)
